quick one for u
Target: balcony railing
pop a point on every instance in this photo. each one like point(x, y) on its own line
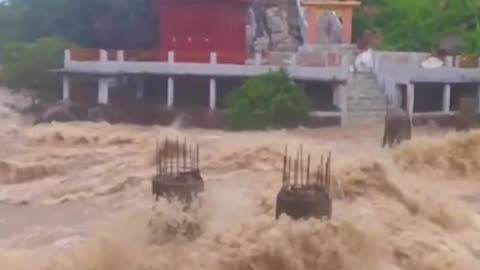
point(414, 60)
point(309, 59)
point(316, 59)
point(144, 56)
point(85, 54)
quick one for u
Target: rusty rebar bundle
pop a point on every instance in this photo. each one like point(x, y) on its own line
point(174, 157)
point(297, 174)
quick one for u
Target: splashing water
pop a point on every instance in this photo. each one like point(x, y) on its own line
point(77, 196)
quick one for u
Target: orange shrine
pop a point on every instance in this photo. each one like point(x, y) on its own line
point(316, 8)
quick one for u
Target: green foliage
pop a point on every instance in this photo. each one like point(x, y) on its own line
point(418, 25)
point(27, 66)
point(12, 52)
point(90, 23)
point(406, 24)
point(473, 42)
point(9, 21)
point(268, 100)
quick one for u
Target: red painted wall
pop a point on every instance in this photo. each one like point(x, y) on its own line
point(193, 29)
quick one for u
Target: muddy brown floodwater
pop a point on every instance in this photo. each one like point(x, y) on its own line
point(77, 196)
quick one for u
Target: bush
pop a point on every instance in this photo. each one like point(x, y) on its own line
point(27, 66)
point(268, 100)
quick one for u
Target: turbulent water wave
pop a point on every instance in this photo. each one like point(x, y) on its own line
point(393, 209)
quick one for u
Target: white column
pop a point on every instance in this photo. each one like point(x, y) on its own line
point(213, 94)
point(103, 91)
point(342, 99)
point(66, 87)
point(457, 61)
point(213, 57)
point(410, 97)
point(103, 56)
point(449, 61)
point(120, 56)
point(139, 87)
point(293, 59)
point(446, 97)
point(478, 98)
point(171, 57)
point(478, 92)
point(67, 56)
point(258, 59)
point(170, 93)
point(376, 61)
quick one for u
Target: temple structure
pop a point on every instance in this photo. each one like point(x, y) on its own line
point(201, 56)
point(320, 20)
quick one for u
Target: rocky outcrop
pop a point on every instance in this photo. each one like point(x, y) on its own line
point(275, 26)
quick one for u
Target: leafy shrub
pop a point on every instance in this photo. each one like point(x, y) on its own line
point(27, 66)
point(268, 100)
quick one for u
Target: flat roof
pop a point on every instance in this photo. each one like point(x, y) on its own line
point(298, 73)
point(86, 72)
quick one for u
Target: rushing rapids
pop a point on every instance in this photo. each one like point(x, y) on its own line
point(77, 196)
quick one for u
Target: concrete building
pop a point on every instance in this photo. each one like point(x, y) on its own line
point(427, 93)
point(208, 82)
point(198, 63)
point(198, 66)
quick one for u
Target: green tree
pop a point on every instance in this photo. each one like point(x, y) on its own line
point(268, 100)
point(9, 21)
point(89, 23)
point(418, 25)
point(28, 66)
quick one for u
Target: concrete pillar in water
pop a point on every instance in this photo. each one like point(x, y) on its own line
point(410, 98)
point(478, 92)
point(66, 87)
point(102, 91)
point(139, 87)
point(213, 94)
point(170, 93)
point(446, 97)
point(478, 98)
point(342, 104)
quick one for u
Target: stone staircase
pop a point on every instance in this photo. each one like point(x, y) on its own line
point(366, 103)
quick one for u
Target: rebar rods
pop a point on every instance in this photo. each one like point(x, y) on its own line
point(302, 176)
point(305, 192)
point(174, 157)
point(177, 170)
